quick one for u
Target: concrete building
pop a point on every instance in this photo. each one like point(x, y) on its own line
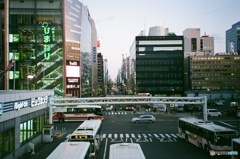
point(23, 116)
point(194, 44)
point(216, 73)
point(233, 39)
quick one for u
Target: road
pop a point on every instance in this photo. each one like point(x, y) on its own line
point(158, 140)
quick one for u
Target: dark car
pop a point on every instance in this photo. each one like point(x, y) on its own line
point(188, 108)
point(231, 112)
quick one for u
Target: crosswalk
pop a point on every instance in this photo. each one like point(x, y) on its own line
point(138, 135)
point(118, 113)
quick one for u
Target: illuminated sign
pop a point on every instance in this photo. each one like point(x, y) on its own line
point(39, 101)
point(48, 35)
point(73, 80)
point(19, 105)
point(73, 69)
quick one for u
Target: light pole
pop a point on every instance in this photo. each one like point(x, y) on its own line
point(30, 77)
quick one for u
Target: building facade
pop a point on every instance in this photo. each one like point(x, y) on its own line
point(194, 44)
point(23, 115)
point(101, 88)
point(156, 65)
point(50, 44)
point(215, 73)
point(233, 39)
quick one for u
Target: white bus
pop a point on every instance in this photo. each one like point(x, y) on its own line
point(235, 153)
point(206, 135)
point(88, 131)
point(77, 113)
point(126, 151)
point(71, 150)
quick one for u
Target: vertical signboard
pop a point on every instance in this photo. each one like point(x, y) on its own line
point(73, 74)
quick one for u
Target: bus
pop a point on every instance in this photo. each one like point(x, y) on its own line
point(77, 113)
point(126, 151)
point(71, 150)
point(89, 131)
point(205, 134)
point(235, 153)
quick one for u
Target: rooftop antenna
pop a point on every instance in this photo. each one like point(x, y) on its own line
point(144, 29)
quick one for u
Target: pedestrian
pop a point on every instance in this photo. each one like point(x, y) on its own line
point(115, 109)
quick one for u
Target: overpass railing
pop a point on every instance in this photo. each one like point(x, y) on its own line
point(71, 102)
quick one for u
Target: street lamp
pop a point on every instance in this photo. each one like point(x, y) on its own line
point(30, 77)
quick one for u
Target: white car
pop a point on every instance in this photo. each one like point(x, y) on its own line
point(109, 107)
point(219, 103)
point(213, 112)
point(144, 119)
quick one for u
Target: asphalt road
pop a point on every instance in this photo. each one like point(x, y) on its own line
point(158, 140)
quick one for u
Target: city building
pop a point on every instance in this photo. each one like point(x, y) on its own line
point(218, 72)
point(23, 117)
point(49, 46)
point(94, 60)
point(2, 64)
point(194, 44)
point(156, 65)
point(101, 88)
point(233, 39)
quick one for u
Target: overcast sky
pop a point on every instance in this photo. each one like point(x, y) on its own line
point(118, 22)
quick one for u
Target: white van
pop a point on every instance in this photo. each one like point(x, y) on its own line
point(213, 112)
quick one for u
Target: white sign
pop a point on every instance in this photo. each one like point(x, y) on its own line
point(19, 105)
point(39, 101)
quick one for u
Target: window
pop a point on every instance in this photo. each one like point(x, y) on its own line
point(6, 142)
point(31, 128)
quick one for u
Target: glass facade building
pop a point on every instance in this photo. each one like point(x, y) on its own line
point(156, 65)
point(36, 45)
point(233, 39)
point(50, 44)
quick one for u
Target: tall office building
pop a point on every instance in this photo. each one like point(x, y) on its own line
point(233, 39)
point(194, 44)
point(156, 65)
point(50, 45)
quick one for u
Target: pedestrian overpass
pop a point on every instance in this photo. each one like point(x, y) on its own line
point(118, 100)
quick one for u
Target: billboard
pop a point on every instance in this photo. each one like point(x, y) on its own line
point(72, 68)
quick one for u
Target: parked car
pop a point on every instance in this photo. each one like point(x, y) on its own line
point(188, 108)
point(219, 103)
point(231, 112)
point(109, 107)
point(144, 119)
point(129, 108)
point(213, 112)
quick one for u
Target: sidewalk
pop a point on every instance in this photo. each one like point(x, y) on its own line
point(43, 150)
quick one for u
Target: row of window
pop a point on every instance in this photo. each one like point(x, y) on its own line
point(7, 143)
point(28, 130)
point(159, 42)
point(172, 48)
point(158, 89)
point(31, 128)
point(215, 58)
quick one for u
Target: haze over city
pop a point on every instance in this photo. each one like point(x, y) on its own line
point(118, 22)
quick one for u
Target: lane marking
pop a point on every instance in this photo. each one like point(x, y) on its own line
point(226, 124)
point(105, 149)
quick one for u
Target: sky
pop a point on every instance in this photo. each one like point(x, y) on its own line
point(119, 21)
